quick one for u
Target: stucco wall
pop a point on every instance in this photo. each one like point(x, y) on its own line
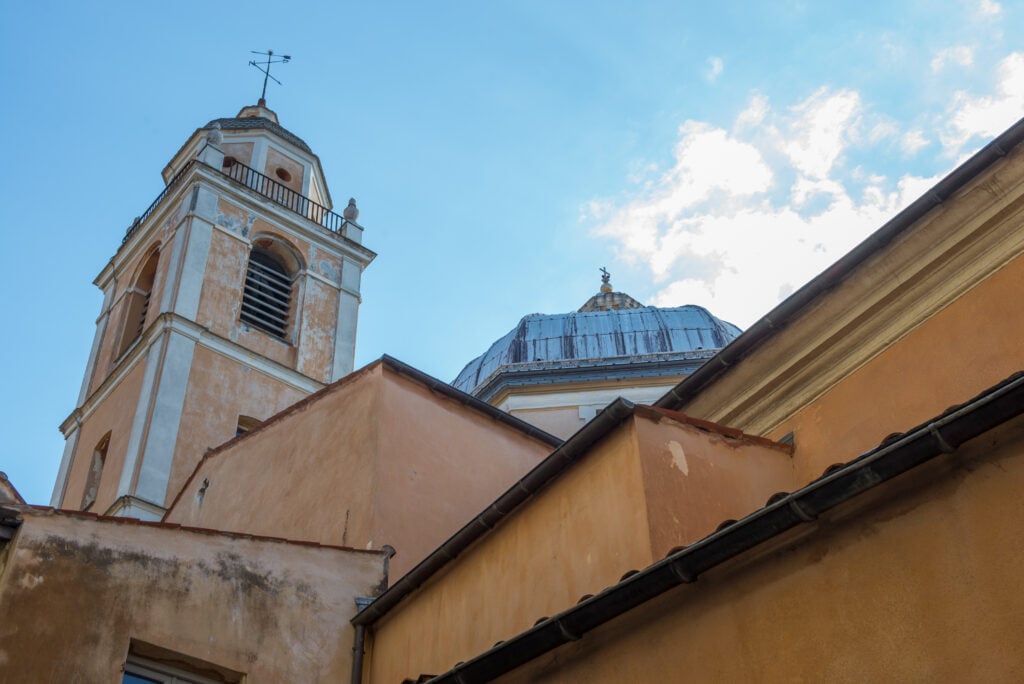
point(651, 484)
point(375, 459)
point(917, 581)
point(75, 591)
point(576, 538)
point(114, 415)
point(219, 391)
point(559, 421)
point(306, 475)
point(968, 346)
point(695, 479)
point(438, 465)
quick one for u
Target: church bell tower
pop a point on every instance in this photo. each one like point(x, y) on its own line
point(234, 295)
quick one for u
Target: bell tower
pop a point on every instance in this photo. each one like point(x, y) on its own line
point(233, 295)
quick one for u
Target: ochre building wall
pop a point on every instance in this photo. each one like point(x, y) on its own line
point(114, 416)
point(970, 345)
point(219, 391)
point(916, 581)
point(632, 497)
point(374, 459)
point(558, 549)
point(307, 474)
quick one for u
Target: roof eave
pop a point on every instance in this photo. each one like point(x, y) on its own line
point(943, 434)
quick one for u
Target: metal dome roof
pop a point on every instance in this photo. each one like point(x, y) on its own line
point(597, 338)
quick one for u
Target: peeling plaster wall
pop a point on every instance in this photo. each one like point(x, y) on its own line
point(74, 592)
point(221, 297)
point(219, 391)
point(695, 479)
point(123, 279)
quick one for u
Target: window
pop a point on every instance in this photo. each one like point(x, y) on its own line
point(245, 424)
point(269, 281)
point(140, 671)
point(149, 663)
point(92, 480)
point(137, 304)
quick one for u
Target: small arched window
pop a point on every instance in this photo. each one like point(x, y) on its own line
point(269, 282)
point(137, 303)
point(92, 480)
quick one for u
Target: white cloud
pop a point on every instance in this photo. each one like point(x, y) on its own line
point(959, 54)
point(987, 116)
point(819, 130)
point(743, 219)
point(988, 8)
point(754, 113)
point(714, 70)
point(913, 140)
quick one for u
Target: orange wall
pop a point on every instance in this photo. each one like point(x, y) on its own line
point(695, 479)
point(439, 464)
point(374, 459)
point(637, 493)
point(124, 280)
point(221, 296)
point(970, 345)
point(219, 391)
point(115, 415)
point(916, 581)
point(307, 475)
point(577, 537)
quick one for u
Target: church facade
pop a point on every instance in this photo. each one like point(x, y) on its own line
point(831, 495)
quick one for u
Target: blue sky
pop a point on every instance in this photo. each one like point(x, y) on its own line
point(500, 153)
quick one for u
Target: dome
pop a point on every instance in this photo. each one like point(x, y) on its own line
point(600, 337)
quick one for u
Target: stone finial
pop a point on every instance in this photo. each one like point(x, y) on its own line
point(351, 212)
point(213, 135)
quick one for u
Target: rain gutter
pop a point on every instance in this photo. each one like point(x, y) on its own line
point(551, 467)
point(941, 435)
point(779, 317)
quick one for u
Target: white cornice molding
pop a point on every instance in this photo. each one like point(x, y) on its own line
point(282, 218)
point(924, 270)
point(172, 322)
point(286, 219)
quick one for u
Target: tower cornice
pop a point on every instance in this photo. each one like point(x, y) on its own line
point(332, 242)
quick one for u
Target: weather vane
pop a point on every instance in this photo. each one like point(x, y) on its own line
point(265, 68)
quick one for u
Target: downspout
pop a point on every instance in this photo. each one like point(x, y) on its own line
point(359, 643)
point(357, 654)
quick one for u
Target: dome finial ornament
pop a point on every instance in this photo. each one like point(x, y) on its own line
point(606, 280)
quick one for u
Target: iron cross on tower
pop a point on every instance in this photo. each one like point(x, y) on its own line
point(265, 68)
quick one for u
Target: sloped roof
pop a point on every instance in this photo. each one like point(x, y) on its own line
point(250, 122)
